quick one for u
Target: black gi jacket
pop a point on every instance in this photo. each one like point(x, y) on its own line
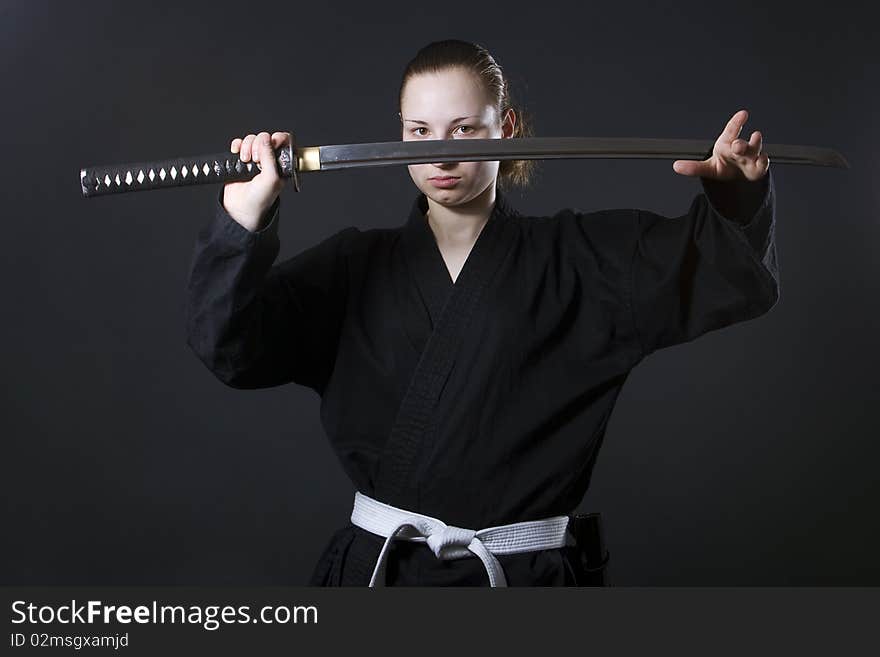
point(522, 358)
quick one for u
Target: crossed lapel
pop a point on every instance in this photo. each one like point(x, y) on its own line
point(450, 307)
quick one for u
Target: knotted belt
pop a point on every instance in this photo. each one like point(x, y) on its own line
point(450, 542)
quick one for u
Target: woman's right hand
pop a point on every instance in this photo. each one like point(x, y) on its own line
point(247, 201)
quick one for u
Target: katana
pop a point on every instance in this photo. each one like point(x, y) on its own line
point(293, 161)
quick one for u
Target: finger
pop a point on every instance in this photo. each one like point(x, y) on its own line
point(268, 170)
point(742, 151)
point(755, 142)
point(235, 145)
point(754, 168)
point(759, 167)
point(245, 153)
point(256, 152)
point(691, 167)
point(734, 125)
point(279, 138)
point(739, 148)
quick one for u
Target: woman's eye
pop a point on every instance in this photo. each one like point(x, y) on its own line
point(467, 130)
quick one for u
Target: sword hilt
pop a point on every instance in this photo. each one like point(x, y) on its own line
point(177, 172)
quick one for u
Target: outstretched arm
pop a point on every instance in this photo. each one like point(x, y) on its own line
point(715, 265)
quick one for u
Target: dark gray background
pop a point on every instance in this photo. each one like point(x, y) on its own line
point(746, 457)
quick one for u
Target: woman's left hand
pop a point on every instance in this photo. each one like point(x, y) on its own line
point(731, 157)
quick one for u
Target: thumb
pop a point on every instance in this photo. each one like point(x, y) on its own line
point(691, 167)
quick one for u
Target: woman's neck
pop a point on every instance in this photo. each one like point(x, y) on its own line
point(458, 226)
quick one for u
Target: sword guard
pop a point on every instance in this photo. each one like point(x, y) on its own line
point(287, 162)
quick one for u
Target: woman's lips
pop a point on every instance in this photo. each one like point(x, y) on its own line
point(444, 181)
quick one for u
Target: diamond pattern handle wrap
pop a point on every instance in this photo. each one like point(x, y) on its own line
point(196, 170)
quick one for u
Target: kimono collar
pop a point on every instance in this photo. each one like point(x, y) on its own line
point(426, 262)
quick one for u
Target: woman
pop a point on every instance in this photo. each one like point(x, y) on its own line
point(468, 361)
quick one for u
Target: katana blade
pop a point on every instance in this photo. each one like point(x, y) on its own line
point(542, 148)
point(292, 160)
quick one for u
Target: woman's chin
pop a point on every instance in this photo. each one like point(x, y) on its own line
point(442, 196)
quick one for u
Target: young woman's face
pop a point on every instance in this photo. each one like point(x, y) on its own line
point(449, 105)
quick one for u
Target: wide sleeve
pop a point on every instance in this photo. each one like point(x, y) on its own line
point(712, 267)
point(255, 325)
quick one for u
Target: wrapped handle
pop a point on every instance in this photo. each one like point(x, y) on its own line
point(177, 172)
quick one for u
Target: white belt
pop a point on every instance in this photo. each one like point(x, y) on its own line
point(449, 542)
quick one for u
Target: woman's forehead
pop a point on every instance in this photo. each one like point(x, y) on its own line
point(444, 95)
